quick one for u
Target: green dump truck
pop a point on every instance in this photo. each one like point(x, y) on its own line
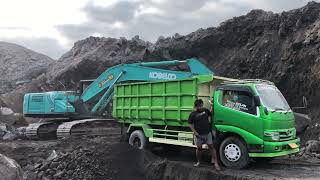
point(251, 118)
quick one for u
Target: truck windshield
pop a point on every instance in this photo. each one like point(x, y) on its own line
point(272, 98)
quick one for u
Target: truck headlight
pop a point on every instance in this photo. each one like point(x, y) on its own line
point(275, 136)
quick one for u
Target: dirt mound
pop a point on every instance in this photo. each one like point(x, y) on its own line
point(98, 161)
point(311, 150)
point(19, 65)
point(86, 60)
point(83, 157)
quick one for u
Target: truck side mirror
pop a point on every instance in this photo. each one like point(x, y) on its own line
point(266, 111)
point(256, 100)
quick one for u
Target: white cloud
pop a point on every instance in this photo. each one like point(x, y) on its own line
point(36, 20)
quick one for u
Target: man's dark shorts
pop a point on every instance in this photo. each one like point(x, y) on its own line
point(203, 139)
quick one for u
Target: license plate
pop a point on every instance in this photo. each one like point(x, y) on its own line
point(293, 145)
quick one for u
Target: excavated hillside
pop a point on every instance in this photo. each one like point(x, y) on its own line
point(19, 65)
point(283, 48)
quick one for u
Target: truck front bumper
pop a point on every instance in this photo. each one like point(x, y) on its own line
point(276, 149)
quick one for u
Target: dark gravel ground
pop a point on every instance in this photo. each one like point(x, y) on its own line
point(108, 158)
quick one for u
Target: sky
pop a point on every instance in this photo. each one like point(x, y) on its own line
point(52, 27)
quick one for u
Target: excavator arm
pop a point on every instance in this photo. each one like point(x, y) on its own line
point(145, 71)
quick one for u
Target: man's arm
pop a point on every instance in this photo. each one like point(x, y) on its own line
point(209, 113)
point(191, 124)
point(214, 133)
point(193, 130)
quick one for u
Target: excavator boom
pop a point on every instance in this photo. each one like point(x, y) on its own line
point(136, 72)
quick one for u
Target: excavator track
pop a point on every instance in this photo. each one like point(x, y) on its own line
point(88, 127)
point(59, 129)
point(42, 130)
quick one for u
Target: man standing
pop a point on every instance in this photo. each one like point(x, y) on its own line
point(200, 124)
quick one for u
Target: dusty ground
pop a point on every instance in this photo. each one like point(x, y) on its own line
point(108, 158)
point(284, 168)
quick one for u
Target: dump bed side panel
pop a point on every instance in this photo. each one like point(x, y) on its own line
point(159, 103)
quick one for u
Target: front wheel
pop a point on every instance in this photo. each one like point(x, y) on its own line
point(138, 140)
point(234, 153)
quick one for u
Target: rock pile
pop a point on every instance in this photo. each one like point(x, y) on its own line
point(77, 164)
point(89, 158)
point(311, 150)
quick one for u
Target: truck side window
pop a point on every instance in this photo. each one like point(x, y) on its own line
point(238, 100)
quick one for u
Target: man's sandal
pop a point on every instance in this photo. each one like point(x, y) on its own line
point(197, 164)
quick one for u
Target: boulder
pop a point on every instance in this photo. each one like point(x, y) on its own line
point(312, 146)
point(3, 129)
point(10, 169)
point(6, 115)
point(302, 121)
point(5, 111)
point(9, 136)
point(53, 155)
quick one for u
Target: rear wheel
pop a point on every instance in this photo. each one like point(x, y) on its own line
point(138, 140)
point(234, 153)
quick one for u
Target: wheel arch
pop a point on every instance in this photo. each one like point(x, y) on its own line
point(145, 128)
point(226, 131)
point(224, 135)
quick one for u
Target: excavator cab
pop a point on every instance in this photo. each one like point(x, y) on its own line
point(83, 84)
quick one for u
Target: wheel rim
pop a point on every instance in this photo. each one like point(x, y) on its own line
point(136, 142)
point(232, 152)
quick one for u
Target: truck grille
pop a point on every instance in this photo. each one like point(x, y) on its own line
point(287, 135)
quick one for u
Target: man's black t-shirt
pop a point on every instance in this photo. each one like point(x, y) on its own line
point(200, 120)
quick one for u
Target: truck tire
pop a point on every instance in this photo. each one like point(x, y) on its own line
point(138, 140)
point(234, 153)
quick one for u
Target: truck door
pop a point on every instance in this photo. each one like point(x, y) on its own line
point(235, 106)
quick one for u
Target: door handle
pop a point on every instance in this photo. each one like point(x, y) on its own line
point(220, 121)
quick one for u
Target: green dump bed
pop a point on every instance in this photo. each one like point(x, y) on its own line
point(161, 102)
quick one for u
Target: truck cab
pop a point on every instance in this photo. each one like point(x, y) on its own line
point(253, 119)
